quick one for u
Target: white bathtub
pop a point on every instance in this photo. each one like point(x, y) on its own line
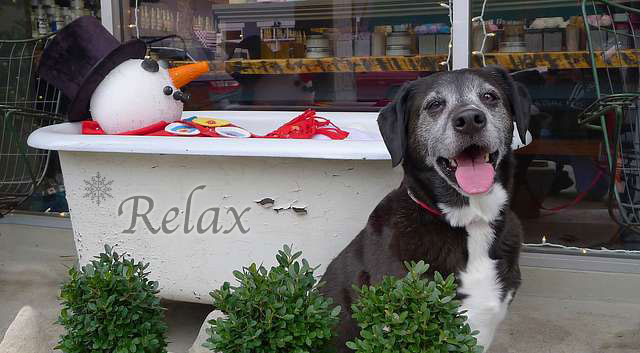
point(337, 183)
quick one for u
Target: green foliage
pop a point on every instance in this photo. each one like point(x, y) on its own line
point(110, 306)
point(276, 311)
point(412, 314)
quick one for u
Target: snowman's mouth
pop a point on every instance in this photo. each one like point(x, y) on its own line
point(181, 96)
point(473, 169)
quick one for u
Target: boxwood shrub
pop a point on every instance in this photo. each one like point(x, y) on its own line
point(276, 310)
point(110, 306)
point(412, 314)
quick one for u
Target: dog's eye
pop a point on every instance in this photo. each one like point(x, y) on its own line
point(435, 105)
point(489, 97)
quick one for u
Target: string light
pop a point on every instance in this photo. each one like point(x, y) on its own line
point(485, 35)
point(449, 6)
point(583, 251)
point(135, 15)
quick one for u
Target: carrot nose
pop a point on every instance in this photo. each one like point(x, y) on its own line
point(182, 75)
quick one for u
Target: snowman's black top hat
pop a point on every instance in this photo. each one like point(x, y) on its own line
point(80, 56)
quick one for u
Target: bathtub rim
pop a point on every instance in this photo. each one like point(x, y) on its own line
point(68, 137)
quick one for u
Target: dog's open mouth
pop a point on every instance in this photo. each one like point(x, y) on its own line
point(473, 169)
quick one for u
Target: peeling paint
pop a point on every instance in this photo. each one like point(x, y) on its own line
point(285, 207)
point(300, 210)
point(281, 208)
point(266, 202)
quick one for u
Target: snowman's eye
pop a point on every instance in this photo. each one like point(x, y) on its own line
point(167, 90)
point(150, 65)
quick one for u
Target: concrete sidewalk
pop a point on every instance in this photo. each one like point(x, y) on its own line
point(34, 261)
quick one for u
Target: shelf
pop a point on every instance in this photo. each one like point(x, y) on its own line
point(349, 64)
point(427, 63)
point(560, 60)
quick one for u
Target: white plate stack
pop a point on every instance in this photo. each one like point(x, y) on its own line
point(399, 44)
point(317, 46)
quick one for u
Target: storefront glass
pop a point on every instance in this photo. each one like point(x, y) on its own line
point(563, 177)
point(340, 56)
point(354, 55)
point(26, 26)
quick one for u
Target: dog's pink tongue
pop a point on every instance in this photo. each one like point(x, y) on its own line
point(474, 175)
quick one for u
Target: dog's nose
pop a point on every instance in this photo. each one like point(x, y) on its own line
point(469, 121)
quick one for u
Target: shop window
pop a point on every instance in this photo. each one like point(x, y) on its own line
point(354, 55)
point(338, 56)
point(563, 177)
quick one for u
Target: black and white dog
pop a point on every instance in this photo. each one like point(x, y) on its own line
point(452, 131)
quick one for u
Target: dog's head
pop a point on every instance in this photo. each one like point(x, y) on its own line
point(459, 123)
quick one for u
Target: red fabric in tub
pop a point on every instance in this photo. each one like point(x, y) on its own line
point(304, 126)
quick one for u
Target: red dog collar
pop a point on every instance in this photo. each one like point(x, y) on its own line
point(431, 210)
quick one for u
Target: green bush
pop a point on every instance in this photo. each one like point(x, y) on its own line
point(110, 306)
point(412, 314)
point(276, 311)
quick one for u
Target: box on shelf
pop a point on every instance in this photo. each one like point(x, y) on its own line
point(343, 45)
point(598, 39)
point(572, 36)
point(378, 43)
point(433, 43)
point(534, 40)
point(426, 44)
point(362, 46)
point(442, 43)
point(552, 39)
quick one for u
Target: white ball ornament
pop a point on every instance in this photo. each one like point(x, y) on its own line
point(131, 98)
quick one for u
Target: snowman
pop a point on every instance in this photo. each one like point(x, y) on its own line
point(113, 83)
point(138, 93)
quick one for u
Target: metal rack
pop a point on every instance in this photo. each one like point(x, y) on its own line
point(26, 104)
point(615, 112)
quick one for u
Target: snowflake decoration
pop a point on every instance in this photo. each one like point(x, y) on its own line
point(97, 189)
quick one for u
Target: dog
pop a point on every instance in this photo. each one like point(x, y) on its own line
point(452, 132)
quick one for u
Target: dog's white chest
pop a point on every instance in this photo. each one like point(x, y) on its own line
point(479, 280)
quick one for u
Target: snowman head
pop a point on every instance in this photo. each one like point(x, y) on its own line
point(138, 93)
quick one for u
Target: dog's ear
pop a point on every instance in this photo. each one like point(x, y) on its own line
point(392, 122)
point(518, 95)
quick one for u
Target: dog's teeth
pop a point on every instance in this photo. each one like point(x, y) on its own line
point(486, 157)
point(453, 162)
